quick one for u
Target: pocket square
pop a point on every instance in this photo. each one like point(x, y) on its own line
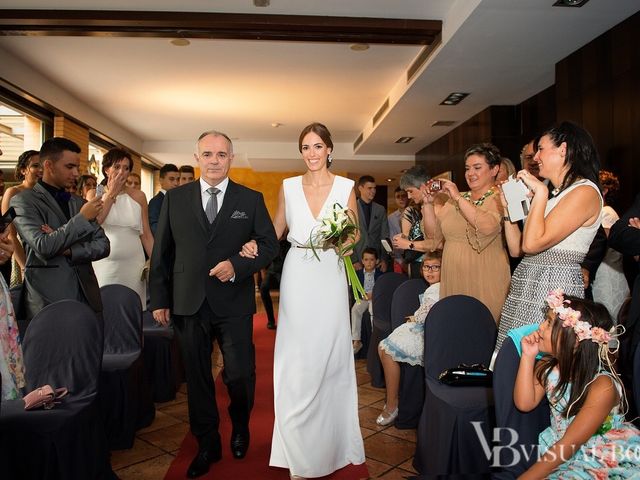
point(239, 215)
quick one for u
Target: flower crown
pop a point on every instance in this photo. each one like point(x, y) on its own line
point(571, 318)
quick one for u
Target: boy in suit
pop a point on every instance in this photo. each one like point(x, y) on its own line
point(367, 276)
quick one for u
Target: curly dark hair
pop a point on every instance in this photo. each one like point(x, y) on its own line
point(23, 163)
point(609, 181)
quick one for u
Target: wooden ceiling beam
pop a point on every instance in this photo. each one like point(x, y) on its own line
point(302, 28)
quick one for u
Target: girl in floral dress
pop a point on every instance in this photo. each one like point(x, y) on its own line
point(588, 437)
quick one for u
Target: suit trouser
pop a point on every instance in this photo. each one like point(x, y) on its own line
point(270, 282)
point(235, 336)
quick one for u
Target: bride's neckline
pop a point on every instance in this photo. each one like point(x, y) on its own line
point(324, 203)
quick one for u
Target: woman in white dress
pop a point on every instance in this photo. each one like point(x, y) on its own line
point(125, 220)
point(610, 286)
point(316, 430)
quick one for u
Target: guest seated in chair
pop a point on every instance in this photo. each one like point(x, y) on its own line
point(588, 437)
point(406, 343)
point(367, 276)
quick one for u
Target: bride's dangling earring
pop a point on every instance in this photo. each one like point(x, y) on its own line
point(329, 160)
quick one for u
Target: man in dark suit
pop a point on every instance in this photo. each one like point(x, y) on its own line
point(199, 280)
point(373, 223)
point(169, 178)
point(60, 235)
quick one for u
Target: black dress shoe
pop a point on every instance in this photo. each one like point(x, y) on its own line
point(271, 326)
point(200, 465)
point(239, 443)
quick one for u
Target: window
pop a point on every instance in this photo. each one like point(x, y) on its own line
point(18, 132)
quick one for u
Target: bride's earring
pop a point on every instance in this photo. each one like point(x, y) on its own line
point(329, 160)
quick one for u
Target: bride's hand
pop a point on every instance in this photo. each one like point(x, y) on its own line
point(249, 249)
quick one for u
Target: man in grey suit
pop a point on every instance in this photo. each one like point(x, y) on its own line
point(373, 223)
point(59, 232)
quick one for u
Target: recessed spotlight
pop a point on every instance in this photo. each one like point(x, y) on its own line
point(454, 98)
point(180, 42)
point(261, 3)
point(359, 47)
point(390, 180)
point(570, 3)
point(404, 139)
point(276, 124)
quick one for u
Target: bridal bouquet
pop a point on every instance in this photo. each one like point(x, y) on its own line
point(339, 230)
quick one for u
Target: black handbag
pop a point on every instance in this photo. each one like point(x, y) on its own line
point(476, 375)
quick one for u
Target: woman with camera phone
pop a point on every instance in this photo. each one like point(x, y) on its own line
point(468, 227)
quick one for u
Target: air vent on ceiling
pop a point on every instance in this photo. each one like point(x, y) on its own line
point(443, 123)
point(381, 111)
point(358, 141)
point(422, 58)
point(570, 3)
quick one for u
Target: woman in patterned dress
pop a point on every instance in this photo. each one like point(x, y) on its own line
point(558, 230)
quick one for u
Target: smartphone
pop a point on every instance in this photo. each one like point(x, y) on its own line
point(99, 190)
point(518, 201)
point(7, 218)
point(386, 244)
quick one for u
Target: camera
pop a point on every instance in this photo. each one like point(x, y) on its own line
point(435, 186)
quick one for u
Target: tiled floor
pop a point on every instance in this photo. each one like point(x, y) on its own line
point(389, 451)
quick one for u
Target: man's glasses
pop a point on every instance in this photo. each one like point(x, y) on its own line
point(431, 268)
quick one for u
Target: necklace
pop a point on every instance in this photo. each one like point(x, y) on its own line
point(480, 201)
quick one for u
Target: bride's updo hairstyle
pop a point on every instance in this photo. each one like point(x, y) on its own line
point(320, 130)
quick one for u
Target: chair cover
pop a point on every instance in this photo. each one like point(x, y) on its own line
point(636, 383)
point(63, 348)
point(162, 361)
point(365, 335)
point(458, 329)
point(381, 298)
point(406, 300)
point(125, 395)
point(527, 425)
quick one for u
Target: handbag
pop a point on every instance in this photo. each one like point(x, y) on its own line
point(476, 375)
point(44, 396)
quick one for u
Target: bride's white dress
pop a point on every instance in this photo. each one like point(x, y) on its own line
point(316, 428)
point(123, 266)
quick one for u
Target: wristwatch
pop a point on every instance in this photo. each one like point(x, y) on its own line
point(411, 246)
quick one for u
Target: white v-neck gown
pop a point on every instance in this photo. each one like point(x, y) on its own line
point(316, 428)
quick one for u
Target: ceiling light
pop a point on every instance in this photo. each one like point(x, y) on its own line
point(404, 139)
point(454, 98)
point(180, 42)
point(276, 124)
point(359, 47)
point(570, 3)
point(261, 3)
point(390, 180)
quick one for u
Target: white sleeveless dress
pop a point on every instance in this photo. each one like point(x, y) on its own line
point(123, 266)
point(556, 267)
point(316, 428)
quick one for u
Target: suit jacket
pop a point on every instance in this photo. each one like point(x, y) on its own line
point(51, 276)
point(360, 274)
point(155, 205)
point(186, 247)
point(370, 237)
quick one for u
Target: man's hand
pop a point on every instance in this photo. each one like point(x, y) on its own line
point(46, 229)
point(383, 266)
point(357, 266)
point(91, 209)
point(223, 271)
point(634, 222)
point(162, 316)
point(6, 248)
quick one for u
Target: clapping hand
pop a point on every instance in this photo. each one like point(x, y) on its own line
point(531, 344)
point(249, 249)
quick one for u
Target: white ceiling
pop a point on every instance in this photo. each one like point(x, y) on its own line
point(501, 51)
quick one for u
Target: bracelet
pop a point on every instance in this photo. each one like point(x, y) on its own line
point(457, 199)
point(506, 218)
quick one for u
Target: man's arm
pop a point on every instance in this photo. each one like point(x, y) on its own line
point(161, 261)
point(268, 247)
point(29, 224)
point(623, 237)
point(155, 207)
point(95, 248)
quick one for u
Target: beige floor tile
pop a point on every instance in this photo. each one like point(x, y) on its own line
point(408, 434)
point(388, 449)
point(152, 469)
point(366, 432)
point(169, 438)
point(408, 466)
point(181, 397)
point(396, 474)
point(162, 420)
point(179, 411)
point(140, 452)
point(377, 468)
point(367, 397)
point(363, 377)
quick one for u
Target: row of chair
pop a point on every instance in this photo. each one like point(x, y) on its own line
point(99, 359)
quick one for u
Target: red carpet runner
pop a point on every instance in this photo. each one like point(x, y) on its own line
point(256, 464)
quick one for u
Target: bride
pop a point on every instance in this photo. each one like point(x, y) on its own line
point(316, 430)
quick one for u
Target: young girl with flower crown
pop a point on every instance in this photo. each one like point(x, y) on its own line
point(588, 437)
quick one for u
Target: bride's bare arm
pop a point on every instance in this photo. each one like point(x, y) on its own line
point(250, 249)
